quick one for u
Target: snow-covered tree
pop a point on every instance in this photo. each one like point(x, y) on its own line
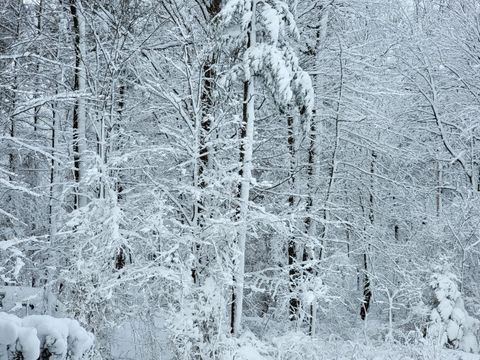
point(157, 156)
point(262, 38)
point(450, 322)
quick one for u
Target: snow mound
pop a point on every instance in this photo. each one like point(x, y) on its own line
point(248, 352)
point(79, 340)
point(8, 332)
point(32, 334)
point(28, 343)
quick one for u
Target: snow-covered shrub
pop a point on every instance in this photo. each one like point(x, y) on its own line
point(196, 322)
point(249, 347)
point(31, 336)
point(297, 346)
point(450, 322)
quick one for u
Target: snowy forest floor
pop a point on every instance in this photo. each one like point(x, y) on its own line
point(358, 342)
point(293, 346)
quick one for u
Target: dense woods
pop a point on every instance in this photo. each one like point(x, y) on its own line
point(244, 179)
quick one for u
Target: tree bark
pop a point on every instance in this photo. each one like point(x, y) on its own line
point(310, 225)
point(293, 272)
point(246, 154)
point(79, 114)
point(204, 150)
point(367, 290)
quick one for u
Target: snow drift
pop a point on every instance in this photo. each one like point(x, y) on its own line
point(34, 334)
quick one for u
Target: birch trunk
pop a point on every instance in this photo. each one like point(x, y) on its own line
point(246, 154)
point(310, 225)
point(293, 272)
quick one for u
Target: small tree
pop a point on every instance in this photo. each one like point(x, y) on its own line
point(450, 322)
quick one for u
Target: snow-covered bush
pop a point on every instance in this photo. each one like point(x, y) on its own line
point(54, 338)
point(450, 322)
point(250, 347)
point(196, 324)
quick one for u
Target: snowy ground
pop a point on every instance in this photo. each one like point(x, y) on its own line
point(134, 341)
point(143, 340)
point(297, 347)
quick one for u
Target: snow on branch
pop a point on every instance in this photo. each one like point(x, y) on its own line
point(272, 57)
point(282, 75)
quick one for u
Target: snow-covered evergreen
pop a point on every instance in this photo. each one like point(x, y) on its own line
point(450, 322)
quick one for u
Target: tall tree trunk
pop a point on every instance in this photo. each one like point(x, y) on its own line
point(12, 126)
point(333, 165)
point(203, 156)
point(79, 114)
point(12, 159)
point(11, 156)
point(367, 290)
point(38, 69)
point(53, 186)
point(438, 193)
point(203, 133)
point(293, 272)
point(246, 154)
point(310, 225)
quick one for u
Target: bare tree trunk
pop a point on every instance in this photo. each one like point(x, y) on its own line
point(310, 225)
point(203, 156)
point(203, 132)
point(246, 154)
point(38, 70)
point(54, 193)
point(11, 156)
point(293, 272)
point(12, 159)
point(367, 290)
point(79, 114)
point(438, 193)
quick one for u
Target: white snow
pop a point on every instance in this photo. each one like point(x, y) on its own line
point(28, 343)
point(248, 352)
point(8, 332)
point(61, 336)
point(79, 340)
